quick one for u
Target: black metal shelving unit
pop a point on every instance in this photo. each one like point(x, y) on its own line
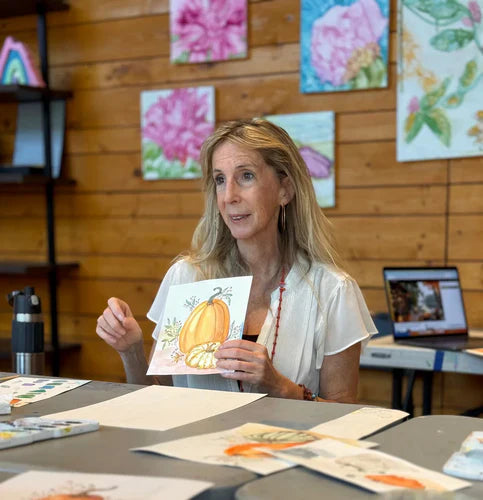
point(32, 174)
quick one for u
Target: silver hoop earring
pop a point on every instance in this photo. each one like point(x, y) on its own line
point(283, 218)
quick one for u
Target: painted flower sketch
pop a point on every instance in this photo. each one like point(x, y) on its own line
point(344, 44)
point(208, 30)
point(174, 124)
point(440, 82)
point(313, 133)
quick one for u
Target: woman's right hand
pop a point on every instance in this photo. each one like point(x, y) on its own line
point(117, 326)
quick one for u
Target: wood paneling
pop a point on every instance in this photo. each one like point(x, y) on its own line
point(125, 231)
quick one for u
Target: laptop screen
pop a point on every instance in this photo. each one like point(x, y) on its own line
point(425, 301)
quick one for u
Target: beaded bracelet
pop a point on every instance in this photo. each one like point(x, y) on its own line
point(308, 394)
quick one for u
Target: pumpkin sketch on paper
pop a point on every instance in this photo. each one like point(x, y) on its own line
point(206, 328)
point(344, 45)
point(440, 78)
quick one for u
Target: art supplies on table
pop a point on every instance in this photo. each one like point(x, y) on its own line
point(361, 423)
point(5, 408)
point(27, 390)
point(245, 446)
point(468, 461)
point(31, 429)
point(37, 485)
point(159, 408)
point(369, 469)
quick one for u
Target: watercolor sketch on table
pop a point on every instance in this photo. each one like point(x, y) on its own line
point(440, 79)
point(197, 319)
point(313, 133)
point(46, 485)
point(344, 45)
point(174, 124)
point(207, 30)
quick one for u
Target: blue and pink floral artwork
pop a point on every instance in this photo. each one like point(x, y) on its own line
point(208, 30)
point(344, 44)
point(174, 124)
point(440, 79)
point(313, 133)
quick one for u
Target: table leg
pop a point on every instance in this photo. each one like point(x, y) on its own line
point(427, 392)
point(397, 377)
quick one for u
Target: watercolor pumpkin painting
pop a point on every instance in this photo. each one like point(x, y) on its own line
point(197, 319)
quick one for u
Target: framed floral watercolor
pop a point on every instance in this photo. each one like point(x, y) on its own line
point(344, 45)
point(207, 30)
point(440, 79)
point(313, 133)
point(174, 124)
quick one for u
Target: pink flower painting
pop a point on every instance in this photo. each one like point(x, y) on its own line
point(345, 46)
point(174, 125)
point(208, 30)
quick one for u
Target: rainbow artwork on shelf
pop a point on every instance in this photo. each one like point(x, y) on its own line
point(16, 65)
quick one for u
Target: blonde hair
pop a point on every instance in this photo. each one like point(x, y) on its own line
point(214, 251)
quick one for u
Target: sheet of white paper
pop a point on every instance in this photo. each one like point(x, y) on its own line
point(197, 319)
point(360, 423)
point(34, 485)
point(242, 446)
point(369, 469)
point(160, 408)
point(31, 389)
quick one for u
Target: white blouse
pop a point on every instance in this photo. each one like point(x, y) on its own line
point(323, 313)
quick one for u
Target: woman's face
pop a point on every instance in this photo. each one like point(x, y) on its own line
point(248, 192)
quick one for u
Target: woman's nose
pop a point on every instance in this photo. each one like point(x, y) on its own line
point(231, 191)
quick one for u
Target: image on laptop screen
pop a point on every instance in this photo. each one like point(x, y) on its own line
point(425, 301)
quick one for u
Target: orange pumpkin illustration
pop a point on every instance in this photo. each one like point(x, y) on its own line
point(393, 480)
point(208, 322)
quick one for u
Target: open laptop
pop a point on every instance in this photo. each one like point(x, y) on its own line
point(426, 308)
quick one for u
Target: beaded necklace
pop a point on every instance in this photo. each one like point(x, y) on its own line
point(281, 289)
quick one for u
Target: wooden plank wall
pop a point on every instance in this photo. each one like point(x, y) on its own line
point(124, 231)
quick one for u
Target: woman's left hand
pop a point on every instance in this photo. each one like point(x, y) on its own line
point(251, 363)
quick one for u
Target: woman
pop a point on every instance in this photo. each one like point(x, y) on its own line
point(306, 318)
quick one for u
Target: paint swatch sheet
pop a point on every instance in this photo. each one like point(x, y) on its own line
point(27, 390)
point(28, 430)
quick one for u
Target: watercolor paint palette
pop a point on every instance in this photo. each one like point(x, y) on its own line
point(31, 429)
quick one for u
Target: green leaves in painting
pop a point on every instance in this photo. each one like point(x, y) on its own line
point(437, 12)
point(374, 75)
point(451, 39)
point(413, 125)
point(432, 98)
point(438, 122)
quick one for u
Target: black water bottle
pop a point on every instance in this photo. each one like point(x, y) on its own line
point(27, 332)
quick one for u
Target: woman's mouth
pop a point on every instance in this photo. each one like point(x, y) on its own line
point(237, 218)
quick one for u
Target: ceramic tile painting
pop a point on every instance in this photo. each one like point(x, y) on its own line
point(440, 79)
point(344, 44)
point(313, 133)
point(198, 318)
point(174, 124)
point(207, 30)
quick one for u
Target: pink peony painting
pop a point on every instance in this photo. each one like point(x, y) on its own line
point(208, 30)
point(313, 133)
point(174, 124)
point(344, 44)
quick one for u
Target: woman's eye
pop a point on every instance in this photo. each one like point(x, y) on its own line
point(219, 180)
point(247, 176)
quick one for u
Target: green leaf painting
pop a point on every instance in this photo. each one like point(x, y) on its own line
point(440, 79)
